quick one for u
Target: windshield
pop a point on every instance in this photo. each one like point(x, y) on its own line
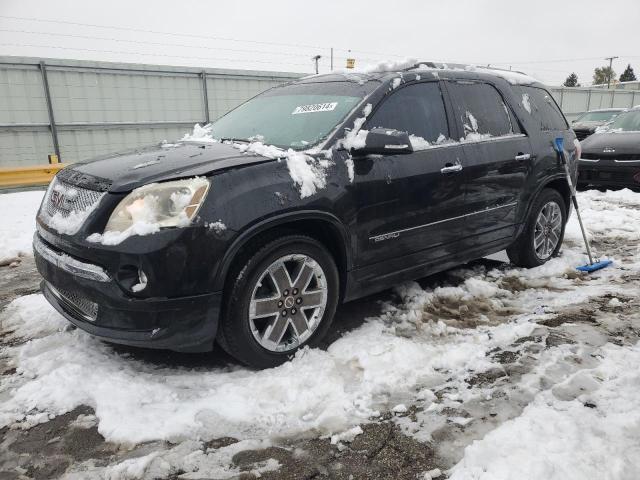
point(294, 116)
point(626, 122)
point(597, 116)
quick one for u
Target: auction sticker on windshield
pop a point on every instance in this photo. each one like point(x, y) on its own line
point(315, 107)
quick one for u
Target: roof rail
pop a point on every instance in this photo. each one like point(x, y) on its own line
point(461, 66)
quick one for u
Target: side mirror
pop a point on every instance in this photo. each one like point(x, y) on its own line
point(386, 141)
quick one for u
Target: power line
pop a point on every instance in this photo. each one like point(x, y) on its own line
point(226, 59)
point(145, 42)
point(188, 35)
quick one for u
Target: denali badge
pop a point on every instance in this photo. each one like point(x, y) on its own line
point(609, 150)
point(386, 236)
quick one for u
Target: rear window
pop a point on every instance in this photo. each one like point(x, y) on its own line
point(480, 108)
point(543, 108)
point(416, 109)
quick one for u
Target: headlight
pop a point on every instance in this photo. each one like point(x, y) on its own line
point(167, 204)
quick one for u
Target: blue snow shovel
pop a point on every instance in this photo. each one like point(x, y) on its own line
point(592, 266)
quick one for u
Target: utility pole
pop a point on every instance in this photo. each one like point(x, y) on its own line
point(611, 59)
point(332, 59)
point(316, 58)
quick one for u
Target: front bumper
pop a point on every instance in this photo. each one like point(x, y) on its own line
point(86, 295)
point(609, 173)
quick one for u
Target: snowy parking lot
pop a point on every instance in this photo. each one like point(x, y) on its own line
point(484, 372)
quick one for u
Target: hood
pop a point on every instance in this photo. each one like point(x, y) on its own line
point(586, 125)
point(621, 142)
point(126, 171)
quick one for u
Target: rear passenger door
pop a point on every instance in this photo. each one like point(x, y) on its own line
point(498, 154)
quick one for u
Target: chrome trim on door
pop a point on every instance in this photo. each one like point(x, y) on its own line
point(524, 156)
point(396, 233)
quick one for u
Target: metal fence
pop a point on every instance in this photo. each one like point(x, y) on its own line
point(80, 109)
point(574, 101)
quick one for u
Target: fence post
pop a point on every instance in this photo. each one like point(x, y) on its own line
point(588, 101)
point(205, 96)
point(52, 121)
point(613, 93)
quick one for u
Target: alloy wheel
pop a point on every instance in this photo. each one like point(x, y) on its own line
point(288, 302)
point(547, 231)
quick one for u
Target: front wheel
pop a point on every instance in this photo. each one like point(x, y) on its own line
point(284, 297)
point(543, 232)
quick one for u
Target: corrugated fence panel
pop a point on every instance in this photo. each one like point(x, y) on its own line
point(82, 144)
point(81, 97)
point(102, 107)
point(24, 147)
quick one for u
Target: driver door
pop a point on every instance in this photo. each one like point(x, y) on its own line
point(409, 205)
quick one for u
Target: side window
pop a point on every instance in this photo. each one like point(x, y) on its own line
point(480, 109)
point(416, 109)
point(541, 105)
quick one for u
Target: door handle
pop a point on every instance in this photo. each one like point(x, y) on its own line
point(451, 168)
point(523, 156)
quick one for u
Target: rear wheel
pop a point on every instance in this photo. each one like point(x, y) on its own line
point(542, 236)
point(284, 296)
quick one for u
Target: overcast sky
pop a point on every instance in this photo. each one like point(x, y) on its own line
point(546, 38)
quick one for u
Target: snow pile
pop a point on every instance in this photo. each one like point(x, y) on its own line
point(191, 457)
point(356, 137)
point(200, 134)
point(18, 224)
point(470, 124)
point(585, 427)
point(419, 143)
point(389, 66)
point(588, 421)
point(308, 173)
point(218, 227)
point(525, 102)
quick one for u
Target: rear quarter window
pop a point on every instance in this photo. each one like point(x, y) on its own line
point(542, 107)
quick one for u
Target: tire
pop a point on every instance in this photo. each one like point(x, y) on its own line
point(263, 281)
point(523, 251)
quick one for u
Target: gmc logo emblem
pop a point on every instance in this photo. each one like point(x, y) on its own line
point(57, 198)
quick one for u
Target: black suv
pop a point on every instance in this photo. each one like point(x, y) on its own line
point(251, 231)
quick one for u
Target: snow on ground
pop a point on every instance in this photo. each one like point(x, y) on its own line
point(428, 351)
point(18, 224)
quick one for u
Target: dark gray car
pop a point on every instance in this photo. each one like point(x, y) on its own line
point(612, 158)
point(587, 123)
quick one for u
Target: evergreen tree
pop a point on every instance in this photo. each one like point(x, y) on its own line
point(601, 75)
point(571, 81)
point(628, 75)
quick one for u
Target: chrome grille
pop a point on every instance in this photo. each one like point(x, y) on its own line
point(64, 198)
point(79, 306)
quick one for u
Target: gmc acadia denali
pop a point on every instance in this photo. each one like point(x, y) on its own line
point(249, 232)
